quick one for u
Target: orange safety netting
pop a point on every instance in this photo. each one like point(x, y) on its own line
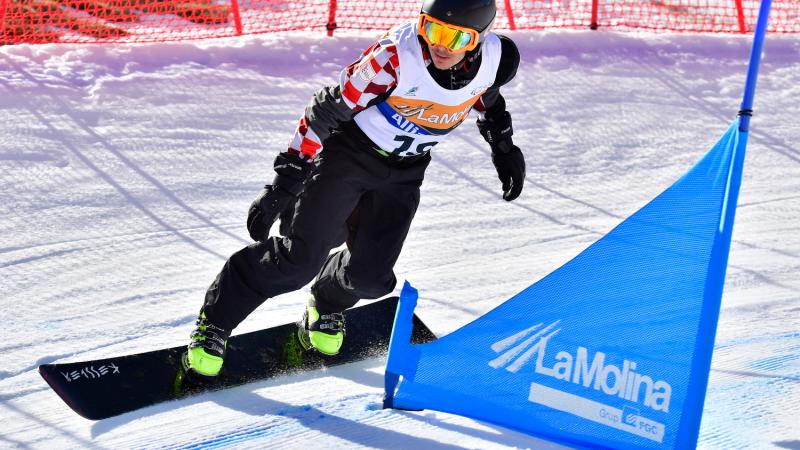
point(39, 21)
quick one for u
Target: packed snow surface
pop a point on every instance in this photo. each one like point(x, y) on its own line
point(126, 172)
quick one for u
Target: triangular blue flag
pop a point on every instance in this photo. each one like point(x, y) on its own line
point(611, 349)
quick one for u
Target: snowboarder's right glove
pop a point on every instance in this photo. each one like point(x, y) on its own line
point(291, 172)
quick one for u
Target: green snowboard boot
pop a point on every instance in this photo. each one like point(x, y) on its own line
point(206, 352)
point(322, 332)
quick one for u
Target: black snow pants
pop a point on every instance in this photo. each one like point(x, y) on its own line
point(354, 194)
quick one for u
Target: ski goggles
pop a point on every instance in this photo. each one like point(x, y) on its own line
point(456, 38)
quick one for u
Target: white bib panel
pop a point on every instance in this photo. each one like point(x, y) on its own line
point(420, 113)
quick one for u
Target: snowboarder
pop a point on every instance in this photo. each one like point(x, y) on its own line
point(353, 170)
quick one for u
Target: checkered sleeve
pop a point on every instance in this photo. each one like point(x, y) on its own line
point(363, 81)
point(373, 74)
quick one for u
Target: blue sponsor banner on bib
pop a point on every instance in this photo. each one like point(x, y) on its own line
point(612, 349)
point(399, 121)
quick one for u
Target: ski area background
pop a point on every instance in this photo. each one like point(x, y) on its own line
point(126, 172)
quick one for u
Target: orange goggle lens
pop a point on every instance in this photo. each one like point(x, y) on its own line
point(455, 38)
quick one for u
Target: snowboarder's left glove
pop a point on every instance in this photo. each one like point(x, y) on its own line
point(507, 157)
point(511, 171)
point(291, 172)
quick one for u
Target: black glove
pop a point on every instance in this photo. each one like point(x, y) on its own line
point(507, 157)
point(511, 171)
point(291, 171)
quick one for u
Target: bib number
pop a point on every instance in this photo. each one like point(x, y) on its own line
point(405, 146)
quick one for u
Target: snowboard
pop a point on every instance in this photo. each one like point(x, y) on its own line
point(108, 387)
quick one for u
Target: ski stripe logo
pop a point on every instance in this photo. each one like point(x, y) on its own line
point(511, 340)
point(505, 358)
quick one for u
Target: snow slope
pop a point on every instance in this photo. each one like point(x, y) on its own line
point(126, 173)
